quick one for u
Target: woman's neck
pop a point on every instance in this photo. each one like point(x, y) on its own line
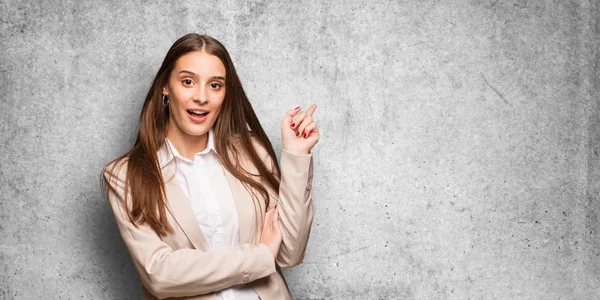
point(187, 145)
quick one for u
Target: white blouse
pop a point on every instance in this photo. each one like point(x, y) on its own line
point(204, 183)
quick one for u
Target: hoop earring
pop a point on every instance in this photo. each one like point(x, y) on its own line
point(165, 100)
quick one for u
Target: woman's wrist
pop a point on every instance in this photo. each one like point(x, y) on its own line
point(297, 152)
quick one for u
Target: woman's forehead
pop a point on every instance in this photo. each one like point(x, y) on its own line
point(200, 63)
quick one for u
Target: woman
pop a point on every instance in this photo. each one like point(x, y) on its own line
point(208, 213)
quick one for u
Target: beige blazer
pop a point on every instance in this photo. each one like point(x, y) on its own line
point(177, 264)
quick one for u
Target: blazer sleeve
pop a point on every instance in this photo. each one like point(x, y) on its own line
point(295, 206)
point(184, 272)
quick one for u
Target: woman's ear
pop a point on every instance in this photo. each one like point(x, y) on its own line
point(165, 90)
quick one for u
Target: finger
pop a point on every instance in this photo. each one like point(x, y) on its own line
point(277, 224)
point(311, 109)
point(270, 220)
point(275, 218)
point(289, 115)
point(310, 129)
point(298, 120)
point(301, 128)
point(266, 219)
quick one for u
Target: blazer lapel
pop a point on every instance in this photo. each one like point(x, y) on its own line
point(245, 209)
point(181, 209)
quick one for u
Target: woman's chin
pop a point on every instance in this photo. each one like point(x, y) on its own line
point(196, 132)
point(197, 129)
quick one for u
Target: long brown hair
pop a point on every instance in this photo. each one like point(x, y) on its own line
point(237, 119)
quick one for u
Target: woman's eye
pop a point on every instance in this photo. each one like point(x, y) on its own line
point(215, 85)
point(187, 82)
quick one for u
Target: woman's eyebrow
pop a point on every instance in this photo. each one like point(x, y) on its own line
point(186, 71)
point(194, 74)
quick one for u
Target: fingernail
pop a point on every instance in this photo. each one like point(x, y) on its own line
point(275, 206)
point(293, 125)
point(297, 133)
point(296, 107)
point(304, 135)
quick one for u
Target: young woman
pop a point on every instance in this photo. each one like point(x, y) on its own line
point(200, 200)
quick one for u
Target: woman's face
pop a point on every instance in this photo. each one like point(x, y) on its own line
point(196, 89)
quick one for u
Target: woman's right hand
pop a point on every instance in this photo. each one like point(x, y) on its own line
point(271, 234)
point(299, 132)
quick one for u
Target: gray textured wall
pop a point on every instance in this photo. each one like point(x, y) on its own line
point(459, 157)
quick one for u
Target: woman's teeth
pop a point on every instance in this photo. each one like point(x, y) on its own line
point(197, 112)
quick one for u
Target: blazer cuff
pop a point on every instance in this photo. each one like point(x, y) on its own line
point(297, 163)
point(260, 265)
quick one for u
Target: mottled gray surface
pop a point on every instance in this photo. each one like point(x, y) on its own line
point(459, 156)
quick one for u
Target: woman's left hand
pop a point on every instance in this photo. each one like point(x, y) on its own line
point(299, 133)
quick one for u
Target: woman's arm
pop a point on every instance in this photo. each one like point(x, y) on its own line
point(295, 206)
point(299, 133)
point(185, 272)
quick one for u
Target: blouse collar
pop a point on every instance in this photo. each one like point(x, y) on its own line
point(168, 152)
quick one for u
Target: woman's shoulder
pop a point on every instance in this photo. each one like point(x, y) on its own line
point(239, 150)
point(237, 141)
point(116, 168)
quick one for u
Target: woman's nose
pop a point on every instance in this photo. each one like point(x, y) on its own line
point(200, 95)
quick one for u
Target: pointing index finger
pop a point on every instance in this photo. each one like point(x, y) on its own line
point(310, 110)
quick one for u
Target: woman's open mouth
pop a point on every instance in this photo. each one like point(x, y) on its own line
point(197, 115)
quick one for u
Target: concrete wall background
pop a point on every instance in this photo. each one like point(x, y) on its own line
point(459, 157)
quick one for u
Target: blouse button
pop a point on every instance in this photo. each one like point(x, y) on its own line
point(246, 278)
